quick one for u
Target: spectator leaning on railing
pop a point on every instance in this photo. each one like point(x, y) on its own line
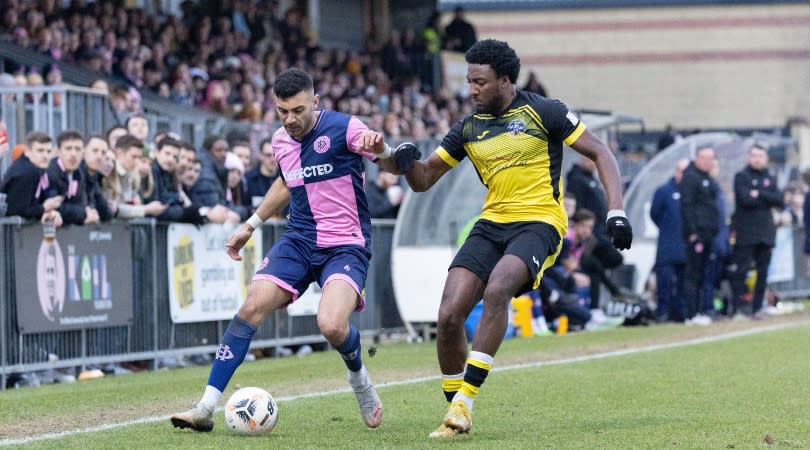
point(122, 185)
point(66, 180)
point(25, 183)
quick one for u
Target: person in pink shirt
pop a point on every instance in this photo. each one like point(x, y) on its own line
point(327, 239)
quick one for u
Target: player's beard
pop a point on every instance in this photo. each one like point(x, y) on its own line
point(490, 107)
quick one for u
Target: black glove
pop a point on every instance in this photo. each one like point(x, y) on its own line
point(405, 155)
point(620, 231)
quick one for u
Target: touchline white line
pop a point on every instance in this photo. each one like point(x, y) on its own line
point(553, 362)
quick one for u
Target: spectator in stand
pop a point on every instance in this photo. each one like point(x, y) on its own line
point(603, 255)
point(262, 177)
point(94, 169)
point(138, 126)
point(210, 187)
point(190, 175)
point(167, 191)
point(564, 290)
point(67, 181)
point(533, 84)
point(242, 150)
point(668, 137)
point(145, 173)
point(670, 255)
point(793, 213)
point(384, 196)
point(25, 183)
point(186, 157)
point(122, 185)
point(459, 34)
point(701, 223)
point(236, 197)
point(166, 186)
point(114, 133)
point(755, 196)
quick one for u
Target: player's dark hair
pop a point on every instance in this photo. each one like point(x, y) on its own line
point(291, 82)
point(496, 54)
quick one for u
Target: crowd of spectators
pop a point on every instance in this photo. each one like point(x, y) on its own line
point(223, 57)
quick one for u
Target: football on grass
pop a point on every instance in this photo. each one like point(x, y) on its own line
point(251, 411)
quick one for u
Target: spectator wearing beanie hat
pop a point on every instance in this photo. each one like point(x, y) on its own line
point(236, 196)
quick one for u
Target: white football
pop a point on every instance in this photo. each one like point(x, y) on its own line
point(252, 411)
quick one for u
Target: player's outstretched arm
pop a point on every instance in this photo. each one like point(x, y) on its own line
point(425, 174)
point(618, 227)
point(277, 197)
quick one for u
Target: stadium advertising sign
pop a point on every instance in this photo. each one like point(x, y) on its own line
point(82, 278)
point(204, 283)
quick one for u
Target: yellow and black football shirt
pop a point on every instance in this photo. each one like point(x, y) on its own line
point(518, 155)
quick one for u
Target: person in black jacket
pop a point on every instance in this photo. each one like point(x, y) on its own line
point(755, 194)
point(25, 182)
point(167, 191)
point(581, 182)
point(701, 223)
point(94, 167)
point(459, 34)
point(384, 196)
point(65, 179)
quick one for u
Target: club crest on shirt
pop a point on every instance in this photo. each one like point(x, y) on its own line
point(516, 127)
point(322, 144)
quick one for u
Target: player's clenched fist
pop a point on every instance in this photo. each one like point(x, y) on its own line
point(619, 229)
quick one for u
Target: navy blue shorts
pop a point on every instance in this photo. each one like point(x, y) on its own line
point(293, 264)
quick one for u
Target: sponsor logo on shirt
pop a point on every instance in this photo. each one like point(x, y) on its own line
point(308, 172)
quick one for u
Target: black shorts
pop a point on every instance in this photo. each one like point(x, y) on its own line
point(537, 244)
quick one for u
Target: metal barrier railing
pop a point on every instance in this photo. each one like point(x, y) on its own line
point(52, 109)
point(152, 334)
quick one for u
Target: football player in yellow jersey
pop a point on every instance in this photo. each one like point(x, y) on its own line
point(515, 141)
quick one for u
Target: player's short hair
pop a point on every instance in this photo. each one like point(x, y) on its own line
point(37, 137)
point(496, 54)
point(128, 141)
point(291, 82)
point(582, 214)
point(68, 135)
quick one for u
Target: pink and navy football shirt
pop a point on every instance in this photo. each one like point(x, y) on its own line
point(325, 174)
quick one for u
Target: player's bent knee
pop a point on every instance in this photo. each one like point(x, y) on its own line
point(332, 328)
point(263, 298)
point(450, 317)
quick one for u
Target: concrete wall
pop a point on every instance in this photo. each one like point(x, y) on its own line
point(694, 67)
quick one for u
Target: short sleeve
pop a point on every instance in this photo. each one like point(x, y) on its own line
point(560, 122)
point(354, 131)
point(451, 149)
